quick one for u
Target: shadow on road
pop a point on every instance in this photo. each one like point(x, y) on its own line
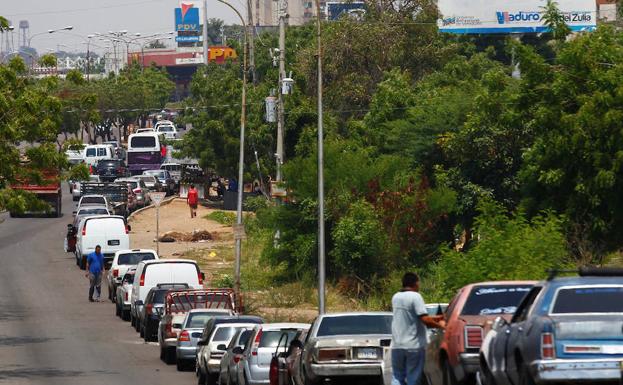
point(18, 341)
point(34, 373)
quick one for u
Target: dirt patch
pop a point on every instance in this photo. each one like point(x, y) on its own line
point(195, 236)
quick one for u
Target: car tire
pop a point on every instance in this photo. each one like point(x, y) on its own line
point(125, 315)
point(525, 378)
point(211, 379)
point(117, 311)
point(132, 320)
point(137, 325)
point(169, 356)
point(83, 263)
point(162, 353)
point(448, 377)
point(201, 377)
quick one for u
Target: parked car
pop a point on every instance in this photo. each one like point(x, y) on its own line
point(230, 361)
point(123, 293)
point(566, 330)
point(148, 318)
point(111, 169)
point(76, 191)
point(260, 348)
point(164, 177)
point(139, 189)
point(282, 364)
point(452, 356)
point(192, 327)
point(344, 345)
point(175, 169)
point(72, 229)
point(177, 304)
point(121, 262)
point(151, 273)
point(151, 182)
point(204, 348)
point(108, 231)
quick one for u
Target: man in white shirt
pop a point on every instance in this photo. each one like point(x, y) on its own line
point(409, 332)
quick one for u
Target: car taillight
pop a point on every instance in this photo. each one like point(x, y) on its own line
point(141, 282)
point(168, 329)
point(184, 336)
point(84, 229)
point(137, 191)
point(473, 337)
point(126, 229)
point(237, 358)
point(149, 308)
point(273, 373)
point(126, 295)
point(115, 273)
point(547, 346)
point(256, 343)
point(200, 278)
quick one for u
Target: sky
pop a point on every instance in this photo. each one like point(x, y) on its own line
point(90, 16)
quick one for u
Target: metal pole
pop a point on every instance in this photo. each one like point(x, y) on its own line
point(205, 32)
point(251, 41)
point(158, 229)
point(88, 60)
point(282, 75)
point(321, 251)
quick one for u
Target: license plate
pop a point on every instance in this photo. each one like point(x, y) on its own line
point(367, 353)
point(114, 242)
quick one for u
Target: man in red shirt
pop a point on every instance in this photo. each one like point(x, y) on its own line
point(192, 199)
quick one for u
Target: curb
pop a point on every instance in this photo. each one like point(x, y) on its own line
point(164, 202)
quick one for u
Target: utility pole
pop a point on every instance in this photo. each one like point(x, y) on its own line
point(321, 246)
point(283, 7)
point(251, 41)
point(205, 32)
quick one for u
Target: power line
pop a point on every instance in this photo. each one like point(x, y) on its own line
point(75, 10)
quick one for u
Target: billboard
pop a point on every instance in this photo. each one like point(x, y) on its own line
point(511, 16)
point(338, 9)
point(187, 18)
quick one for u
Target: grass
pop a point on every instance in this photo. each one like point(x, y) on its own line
point(222, 217)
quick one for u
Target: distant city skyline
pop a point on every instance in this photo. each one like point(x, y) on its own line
point(90, 16)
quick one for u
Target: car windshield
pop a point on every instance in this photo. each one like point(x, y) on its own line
point(271, 338)
point(356, 325)
point(155, 173)
point(165, 129)
point(494, 299)
point(224, 333)
point(90, 200)
point(134, 258)
point(594, 299)
point(198, 320)
point(93, 211)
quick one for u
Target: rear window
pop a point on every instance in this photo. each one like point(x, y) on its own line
point(105, 225)
point(143, 142)
point(129, 278)
point(89, 200)
point(100, 211)
point(198, 320)
point(109, 164)
point(494, 299)
point(595, 299)
point(148, 178)
point(165, 129)
point(355, 325)
point(224, 334)
point(270, 339)
point(134, 258)
point(91, 152)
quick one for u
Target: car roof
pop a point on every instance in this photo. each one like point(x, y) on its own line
point(587, 280)
point(499, 283)
point(237, 318)
point(169, 260)
point(128, 251)
point(92, 196)
point(91, 207)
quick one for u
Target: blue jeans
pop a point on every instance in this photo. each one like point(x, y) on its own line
point(408, 366)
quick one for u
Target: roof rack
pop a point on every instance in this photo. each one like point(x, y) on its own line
point(587, 271)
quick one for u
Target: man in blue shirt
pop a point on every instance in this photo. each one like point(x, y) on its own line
point(95, 269)
point(409, 332)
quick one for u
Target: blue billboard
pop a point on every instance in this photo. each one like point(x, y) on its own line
point(187, 19)
point(339, 9)
point(187, 39)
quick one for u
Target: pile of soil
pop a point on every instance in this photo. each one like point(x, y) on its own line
point(195, 236)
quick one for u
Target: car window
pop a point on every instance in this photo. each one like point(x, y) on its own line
point(198, 320)
point(101, 152)
point(159, 296)
point(129, 278)
point(594, 299)
point(524, 307)
point(452, 305)
point(494, 299)
point(91, 152)
point(271, 338)
point(143, 141)
point(134, 258)
point(99, 200)
point(224, 334)
point(165, 129)
point(244, 337)
point(98, 211)
point(355, 325)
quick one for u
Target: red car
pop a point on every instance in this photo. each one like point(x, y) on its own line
point(452, 356)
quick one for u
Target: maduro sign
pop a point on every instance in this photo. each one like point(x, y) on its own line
point(511, 16)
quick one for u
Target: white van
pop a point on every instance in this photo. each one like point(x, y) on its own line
point(96, 152)
point(151, 273)
point(146, 151)
point(108, 231)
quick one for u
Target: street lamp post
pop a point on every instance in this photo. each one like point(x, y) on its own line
point(68, 28)
point(243, 119)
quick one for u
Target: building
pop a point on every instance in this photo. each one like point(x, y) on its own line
point(607, 10)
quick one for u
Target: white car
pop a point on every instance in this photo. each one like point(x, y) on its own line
point(169, 131)
point(96, 152)
point(122, 261)
point(143, 130)
point(108, 231)
point(123, 295)
point(151, 273)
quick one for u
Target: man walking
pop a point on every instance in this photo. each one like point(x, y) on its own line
point(95, 269)
point(409, 332)
point(193, 200)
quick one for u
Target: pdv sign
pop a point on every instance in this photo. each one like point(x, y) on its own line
point(187, 18)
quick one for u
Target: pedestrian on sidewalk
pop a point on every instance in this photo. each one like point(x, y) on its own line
point(95, 270)
point(409, 332)
point(193, 200)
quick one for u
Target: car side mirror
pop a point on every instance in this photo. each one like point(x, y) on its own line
point(237, 350)
point(138, 303)
point(221, 347)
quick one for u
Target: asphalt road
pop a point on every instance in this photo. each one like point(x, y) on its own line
point(49, 332)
